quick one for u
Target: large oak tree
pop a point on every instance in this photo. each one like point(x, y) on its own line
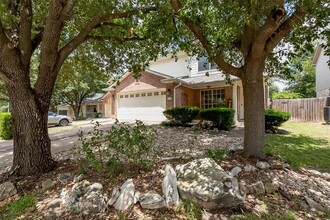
point(50, 31)
point(246, 39)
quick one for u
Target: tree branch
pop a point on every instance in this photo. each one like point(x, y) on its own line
point(286, 27)
point(273, 21)
point(3, 38)
point(24, 40)
point(36, 41)
point(198, 32)
point(57, 13)
point(95, 22)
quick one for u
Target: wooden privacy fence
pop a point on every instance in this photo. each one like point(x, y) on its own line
point(311, 109)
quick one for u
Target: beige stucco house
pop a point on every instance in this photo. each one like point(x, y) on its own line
point(170, 82)
point(320, 60)
point(99, 103)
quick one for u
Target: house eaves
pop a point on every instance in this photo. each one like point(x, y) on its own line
point(317, 54)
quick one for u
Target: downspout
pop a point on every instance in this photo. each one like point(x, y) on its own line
point(174, 94)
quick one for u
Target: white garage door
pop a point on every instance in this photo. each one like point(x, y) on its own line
point(145, 106)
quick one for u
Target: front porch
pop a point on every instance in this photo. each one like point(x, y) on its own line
point(211, 95)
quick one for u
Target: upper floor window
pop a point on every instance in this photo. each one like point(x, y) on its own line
point(204, 64)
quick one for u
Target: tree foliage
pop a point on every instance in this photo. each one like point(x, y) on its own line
point(249, 38)
point(81, 77)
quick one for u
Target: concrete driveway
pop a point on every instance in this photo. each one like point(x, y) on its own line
point(62, 138)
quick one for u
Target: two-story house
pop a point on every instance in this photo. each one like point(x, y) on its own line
point(170, 83)
point(322, 72)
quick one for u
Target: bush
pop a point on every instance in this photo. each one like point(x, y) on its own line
point(221, 118)
point(122, 144)
point(274, 118)
point(181, 115)
point(6, 126)
point(287, 95)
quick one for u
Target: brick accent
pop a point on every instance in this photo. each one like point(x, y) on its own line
point(194, 95)
point(147, 78)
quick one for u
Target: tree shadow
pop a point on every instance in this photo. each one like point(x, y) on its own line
point(300, 150)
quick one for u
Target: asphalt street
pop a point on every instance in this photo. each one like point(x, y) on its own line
point(61, 140)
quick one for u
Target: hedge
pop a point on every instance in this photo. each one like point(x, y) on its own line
point(274, 118)
point(181, 115)
point(221, 118)
point(6, 126)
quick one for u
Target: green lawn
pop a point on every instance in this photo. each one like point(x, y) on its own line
point(305, 145)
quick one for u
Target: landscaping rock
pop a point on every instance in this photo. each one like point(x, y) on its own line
point(263, 165)
point(64, 177)
point(205, 183)
point(126, 199)
point(84, 197)
point(7, 190)
point(269, 188)
point(47, 184)
point(235, 171)
point(257, 188)
point(249, 168)
point(170, 187)
point(114, 196)
point(314, 205)
point(151, 200)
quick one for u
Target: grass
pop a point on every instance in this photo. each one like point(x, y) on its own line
point(17, 207)
point(190, 210)
point(305, 145)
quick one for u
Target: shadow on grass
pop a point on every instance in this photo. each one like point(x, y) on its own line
point(300, 150)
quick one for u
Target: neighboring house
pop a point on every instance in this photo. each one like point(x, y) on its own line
point(322, 72)
point(99, 103)
point(169, 83)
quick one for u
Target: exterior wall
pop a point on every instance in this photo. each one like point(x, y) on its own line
point(194, 96)
point(147, 78)
point(322, 73)
point(323, 93)
point(170, 66)
point(66, 108)
point(106, 103)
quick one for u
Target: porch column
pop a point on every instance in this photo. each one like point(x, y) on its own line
point(234, 102)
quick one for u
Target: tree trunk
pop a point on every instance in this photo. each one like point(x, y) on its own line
point(254, 116)
point(32, 146)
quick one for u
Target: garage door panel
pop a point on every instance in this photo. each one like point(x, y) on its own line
point(148, 108)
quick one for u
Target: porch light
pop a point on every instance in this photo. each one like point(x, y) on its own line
point(168, 92)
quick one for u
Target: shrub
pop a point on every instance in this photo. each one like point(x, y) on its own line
point(221, 118)
point(274, 118)
point(181, 115)
point(122, 144)
point(6, 126)
point(287, 95)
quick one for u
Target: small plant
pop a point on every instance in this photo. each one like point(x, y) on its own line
point(221, 118)
point(274, 119)
point(122, 145)
point(19, 206)
point(181, 115)
point(190, 210)
point(6, 126)
point(287, 95)
point(217, 155)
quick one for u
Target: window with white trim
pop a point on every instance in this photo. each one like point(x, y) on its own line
point(143, 94)
point(163, 93)
point(121, 96)
point(137, 95)
point(204, 64)
point(149, 93)
point(126, 96)
point(212, 98)
point(156, 93)
point(131, 95)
